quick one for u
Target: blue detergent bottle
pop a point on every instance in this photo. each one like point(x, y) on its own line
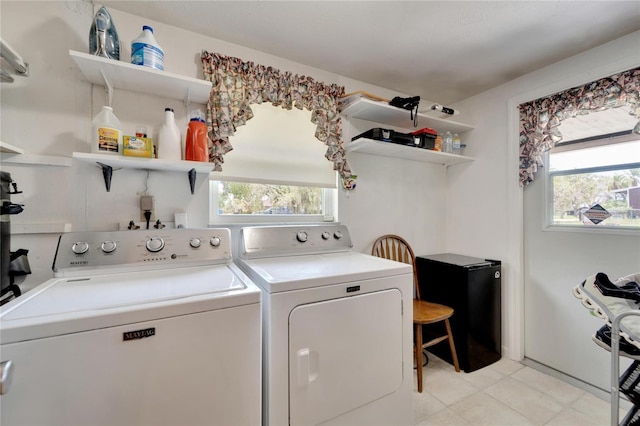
point(146, 51)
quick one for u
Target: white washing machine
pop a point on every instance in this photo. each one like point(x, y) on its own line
point(138, 328)
point(337, 328)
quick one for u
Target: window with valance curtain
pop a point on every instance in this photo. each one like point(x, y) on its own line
point(237, 84)
point(540, 119)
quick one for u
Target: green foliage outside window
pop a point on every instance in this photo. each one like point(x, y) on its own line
point(235, 198)
point(573, 194)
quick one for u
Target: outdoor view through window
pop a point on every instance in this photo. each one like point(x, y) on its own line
point(237, 198)
point(596, 183)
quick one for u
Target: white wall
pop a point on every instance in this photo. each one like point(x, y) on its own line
point(557, 261)
point(485, 212)
point(395, 197)
point(50, 113)
point(46, 113)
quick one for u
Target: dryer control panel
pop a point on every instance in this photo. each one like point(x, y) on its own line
point(274, 241)
point(82, 251)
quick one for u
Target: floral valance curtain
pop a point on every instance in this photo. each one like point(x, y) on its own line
point(539, 119)
point(238, 84)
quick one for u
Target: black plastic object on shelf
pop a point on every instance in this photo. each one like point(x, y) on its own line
point(419, 140)
point(428, 137)
point(412, 103)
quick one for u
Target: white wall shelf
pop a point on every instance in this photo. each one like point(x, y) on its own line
point(135, 78)
point(10, 149)
point(381, 112)
point(388, 149)
point(116, 162)
point(122, 162)
point(35, 159)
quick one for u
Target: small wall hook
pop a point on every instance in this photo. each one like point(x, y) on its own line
point(15, 188)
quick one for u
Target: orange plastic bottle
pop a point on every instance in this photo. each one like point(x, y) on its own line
point(196, 147)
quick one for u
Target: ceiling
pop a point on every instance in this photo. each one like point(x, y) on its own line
point(444, 51)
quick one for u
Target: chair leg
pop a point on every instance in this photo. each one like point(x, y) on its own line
point(418, 338)
point(454, 355)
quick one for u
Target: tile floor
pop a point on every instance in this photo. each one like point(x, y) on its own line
point(505, 393)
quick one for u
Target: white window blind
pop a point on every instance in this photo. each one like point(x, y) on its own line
point(277, 146)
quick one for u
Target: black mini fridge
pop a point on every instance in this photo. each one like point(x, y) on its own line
point(471, 286)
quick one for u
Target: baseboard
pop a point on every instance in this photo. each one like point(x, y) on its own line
point(580, 384)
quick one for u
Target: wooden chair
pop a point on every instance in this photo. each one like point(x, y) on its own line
point(396, 248)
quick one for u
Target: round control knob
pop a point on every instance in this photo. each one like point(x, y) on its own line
point(195, 242)
point(80, 247)
point(108, 246)
point(155, 244)
point(302, 236)
point(337, 235)
point(215, 241)
point(326, 235)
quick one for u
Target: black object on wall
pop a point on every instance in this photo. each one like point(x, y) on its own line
point(7, 208)
point(472, 287)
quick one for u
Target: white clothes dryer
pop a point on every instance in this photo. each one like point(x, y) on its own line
point(337, 328)
point(138, 328)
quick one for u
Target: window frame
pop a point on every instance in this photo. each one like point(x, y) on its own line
point(277, 129)
point(329, 202)
point(602, 140)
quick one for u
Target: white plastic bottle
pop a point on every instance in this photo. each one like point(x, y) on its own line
point(455, 143)
point(106, 133)
point(447, 142)
point(146, 51)
point(169, 147)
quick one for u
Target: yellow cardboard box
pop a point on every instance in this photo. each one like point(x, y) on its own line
point(137, 147)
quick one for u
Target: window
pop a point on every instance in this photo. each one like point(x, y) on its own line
point(276, 172)
point(595, 183)
point(256, 202)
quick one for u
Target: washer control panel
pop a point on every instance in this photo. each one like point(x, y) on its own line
point(270, 241)
point(100, 249)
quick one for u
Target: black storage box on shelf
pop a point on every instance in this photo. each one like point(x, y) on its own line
point(377, 134)
point(407, 139)
point(427, 137)
point(388, 135)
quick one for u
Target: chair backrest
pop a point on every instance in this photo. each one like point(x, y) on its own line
point(396, 248)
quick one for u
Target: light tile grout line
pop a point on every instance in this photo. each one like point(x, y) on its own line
point(569, 404)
